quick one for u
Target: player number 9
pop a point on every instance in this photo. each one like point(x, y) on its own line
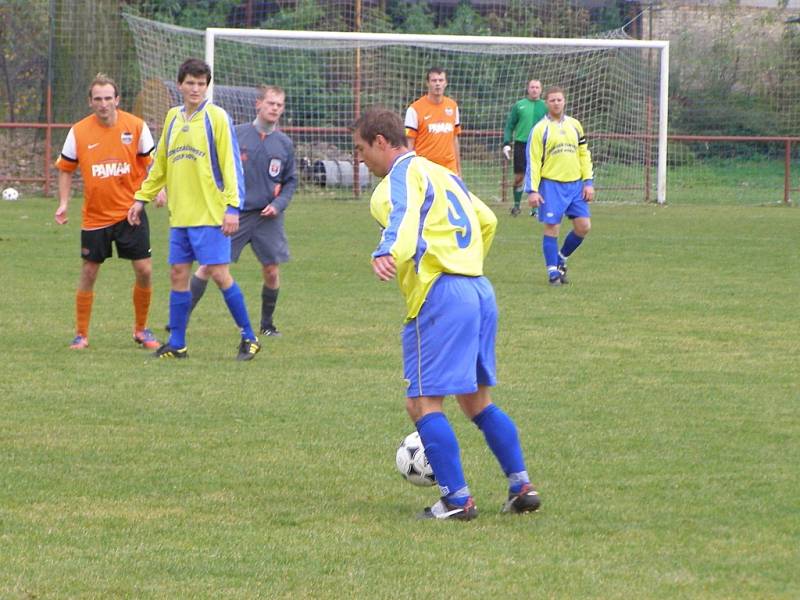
point(459, 219)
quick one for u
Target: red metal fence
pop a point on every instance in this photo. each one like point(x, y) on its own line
point(46, 177)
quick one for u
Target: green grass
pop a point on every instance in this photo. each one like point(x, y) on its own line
point(657, 399)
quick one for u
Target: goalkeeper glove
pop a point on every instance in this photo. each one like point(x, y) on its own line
point(507, 152)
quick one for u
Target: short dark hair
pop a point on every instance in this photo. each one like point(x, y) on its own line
point(435, 70)
point(196, 68)
point(380, 121)
point(103, 79)
point(554, 89)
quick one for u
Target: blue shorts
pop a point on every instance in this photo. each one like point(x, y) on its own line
point(449, 347)
point(562, 198)
point(205, 244)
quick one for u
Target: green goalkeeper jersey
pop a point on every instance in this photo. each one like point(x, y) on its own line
point(523, 116)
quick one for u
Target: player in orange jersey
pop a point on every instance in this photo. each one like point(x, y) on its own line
point(112, 149)
point(433, 124)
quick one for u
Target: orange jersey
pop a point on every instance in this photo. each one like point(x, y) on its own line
point(434, 128)
point(113, 163)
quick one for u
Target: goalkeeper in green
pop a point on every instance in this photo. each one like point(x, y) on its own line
point(523, 116)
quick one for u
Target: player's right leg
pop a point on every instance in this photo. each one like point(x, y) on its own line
point(439, 353)
point(95, 248)
point(84, 299)
point(444, 456)
point(181, 257)
point(550, 214)
point(197, 286)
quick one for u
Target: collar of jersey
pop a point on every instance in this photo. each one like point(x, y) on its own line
point(200, 108)
point(408, 154)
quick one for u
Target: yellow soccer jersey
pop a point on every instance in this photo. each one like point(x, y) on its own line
point(557, 150)
point(198, 160)
point(432, 224)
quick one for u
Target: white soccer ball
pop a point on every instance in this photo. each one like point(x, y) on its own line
point(10, 194)
point(412, 462)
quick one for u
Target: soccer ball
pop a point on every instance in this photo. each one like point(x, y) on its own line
point(412, 462)
point(10, 194)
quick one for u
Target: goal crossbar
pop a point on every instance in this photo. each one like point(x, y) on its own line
point(213, 33)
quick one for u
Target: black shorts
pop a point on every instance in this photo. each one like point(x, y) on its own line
point(520, 157)
point(133, 243)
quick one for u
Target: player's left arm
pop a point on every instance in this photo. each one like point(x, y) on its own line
point(145, 148)
point(411, 125)
point(511, 125)
point(157, 175)
point(64, 193)
point(457, 148)
point(456, 143)
point(66, 164)
point(230, 163)
point(585, 160)
point(400, 235)
point(534, 151)
point(288, 184)
point(487, 220)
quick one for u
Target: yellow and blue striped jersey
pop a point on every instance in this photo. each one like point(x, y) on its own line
point(557, 150)
point(197, 159)
point(432, 224)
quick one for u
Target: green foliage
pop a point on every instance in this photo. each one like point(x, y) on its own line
point(23, 60)
point(517, 20)
point(465, 21)
point(306, 15)
point(375, 19)
point(412, 17)
point(197, 14)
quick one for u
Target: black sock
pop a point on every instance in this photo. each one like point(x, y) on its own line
point(198, 287)
point(269, 298)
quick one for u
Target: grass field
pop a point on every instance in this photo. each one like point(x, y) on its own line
point(657, 398)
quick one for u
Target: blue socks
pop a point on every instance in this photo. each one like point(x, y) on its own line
point(571, 243)
point(444, 454)
point(180, 303)
point(503, 440)
point(180, 307)
point(441, 448)
point(550, 252)
point(235, 300)
point(552, 257)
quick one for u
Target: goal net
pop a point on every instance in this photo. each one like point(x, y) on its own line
point(614, 85)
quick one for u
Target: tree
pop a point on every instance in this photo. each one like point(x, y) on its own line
point(23, 60)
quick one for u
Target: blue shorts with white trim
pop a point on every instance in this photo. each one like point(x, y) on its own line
point(449, 347)
point(562, 198)
point(205, 244)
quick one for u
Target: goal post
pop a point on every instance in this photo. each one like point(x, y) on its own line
point(616, 86)
point(482, 46)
